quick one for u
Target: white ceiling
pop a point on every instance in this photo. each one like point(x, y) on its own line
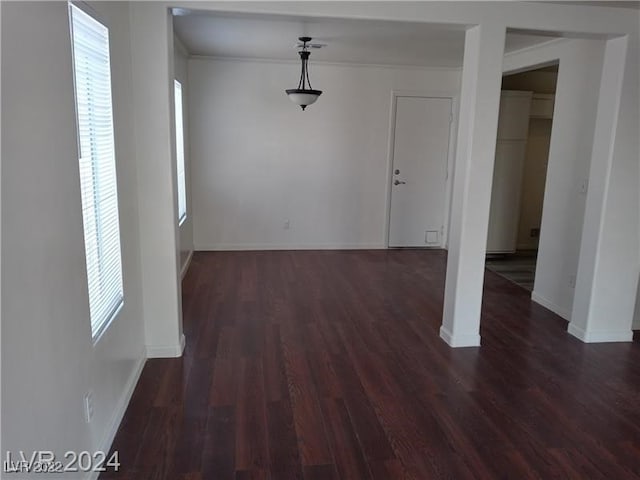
point(350, 41)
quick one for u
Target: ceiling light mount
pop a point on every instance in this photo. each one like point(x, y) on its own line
point(304, 95)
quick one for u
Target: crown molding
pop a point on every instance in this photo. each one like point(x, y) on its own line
point(320, 62)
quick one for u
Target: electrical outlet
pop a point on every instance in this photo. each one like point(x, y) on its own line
point(287, 224)
point(534, 232)
point(88, 406)
point(572, 281)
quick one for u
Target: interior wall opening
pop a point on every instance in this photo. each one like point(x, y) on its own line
point(520, 171)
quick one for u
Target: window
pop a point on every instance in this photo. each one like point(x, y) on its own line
point(182, 187)
point(92, 80)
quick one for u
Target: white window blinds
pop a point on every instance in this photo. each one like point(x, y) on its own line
point(92, 76)
point(182, 186)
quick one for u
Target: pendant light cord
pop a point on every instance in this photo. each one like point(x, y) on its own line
point(306, 71)
point(304, 74)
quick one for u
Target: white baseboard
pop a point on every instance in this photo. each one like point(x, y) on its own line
point(563, 312)
point(458, 341)
point(274, 246)
point(121, 408)
point(166, 351)
point(186, 264)
point(600, 336)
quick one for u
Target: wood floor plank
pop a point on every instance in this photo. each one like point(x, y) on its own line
point(283, 445)
point(224, 384)
point(307, 417)
point(388, 470)
point(371, 436)
point(252, 475)
point(275, 377)
point(156, 457)
point(251, 422)
point(348, 456)
point(173, 384)
point(218, 457)
point(320, 472)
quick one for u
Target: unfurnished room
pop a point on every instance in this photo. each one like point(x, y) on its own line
point(320, 240)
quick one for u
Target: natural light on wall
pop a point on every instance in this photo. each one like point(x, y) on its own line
point(92, 77)
point(182, 188)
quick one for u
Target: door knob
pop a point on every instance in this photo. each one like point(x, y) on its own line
point(399, 182)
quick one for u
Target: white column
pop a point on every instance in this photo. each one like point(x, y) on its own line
point(473, 174)
point(152, 57)
point(608, 268)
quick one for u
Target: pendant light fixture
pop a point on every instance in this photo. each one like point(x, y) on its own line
point(304, 95)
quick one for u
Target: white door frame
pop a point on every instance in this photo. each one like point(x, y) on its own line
point(444, 241)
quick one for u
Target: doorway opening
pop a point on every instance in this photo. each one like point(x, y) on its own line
point(520, 172)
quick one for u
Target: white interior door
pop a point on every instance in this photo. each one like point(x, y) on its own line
point(418, 179)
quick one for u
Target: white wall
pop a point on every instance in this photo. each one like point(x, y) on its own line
point(258, 160)
point(48, 361)
point(568, 165)
point(153, 87)
point(185, 244)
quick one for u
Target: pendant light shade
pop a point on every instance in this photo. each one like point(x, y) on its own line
point(304, 95)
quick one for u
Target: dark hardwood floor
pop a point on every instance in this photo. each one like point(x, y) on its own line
point(327, 365)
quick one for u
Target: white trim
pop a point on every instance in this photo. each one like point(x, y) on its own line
point(459, 341)
point(390, 149)
point(121, 408)
point(534, 57)
point(166, 351)
point(275, 246)
point(185, 265)
point(540, 300)
point(602, 336)
point(453, 131)
point(537, 46)
point(320, 62)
